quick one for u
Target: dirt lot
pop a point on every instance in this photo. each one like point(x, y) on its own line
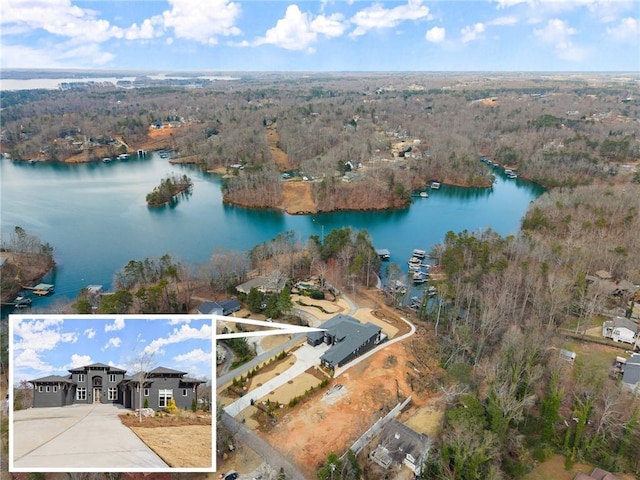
point(297, 198)
point(280, 157)
point(315, 428)
point(183, 440)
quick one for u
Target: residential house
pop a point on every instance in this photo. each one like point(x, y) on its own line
point(413, 152)
point(401, 446)
point(266, 284)
point(224, 307)
point(347, 337)
point(631, 373)
point(620, 329)
point(100, 383)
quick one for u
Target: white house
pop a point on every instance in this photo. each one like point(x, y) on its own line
point(620, 329)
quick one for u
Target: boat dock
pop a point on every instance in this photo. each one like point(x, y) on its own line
point(383, 253)
point(41, 289)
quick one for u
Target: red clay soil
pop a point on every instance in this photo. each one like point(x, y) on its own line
point(316, 428)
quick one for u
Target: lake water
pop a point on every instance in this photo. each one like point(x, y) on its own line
point(96, 218)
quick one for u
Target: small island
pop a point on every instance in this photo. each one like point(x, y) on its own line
point(170, 187)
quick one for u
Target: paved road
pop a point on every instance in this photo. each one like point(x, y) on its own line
point(78, 436)
point(269, 454)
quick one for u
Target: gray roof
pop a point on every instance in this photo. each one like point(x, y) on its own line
point(52, 379)
point(269, 284)
point(631, 375)
point(349, 333)
point(97, 366)
point(226, 306)
point(622, 322)
point(191, 380)
point(165, 371)
point(400, 440)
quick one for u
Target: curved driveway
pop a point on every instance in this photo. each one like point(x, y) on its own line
point(78, 436)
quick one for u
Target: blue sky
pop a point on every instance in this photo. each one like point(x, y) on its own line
point(339, 35)
point(53, 344)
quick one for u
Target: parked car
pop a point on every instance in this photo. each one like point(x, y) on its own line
point(231, 476)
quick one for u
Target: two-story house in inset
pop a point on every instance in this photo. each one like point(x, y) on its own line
point(100, 383)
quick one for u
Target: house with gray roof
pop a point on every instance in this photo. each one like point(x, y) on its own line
point(266, 284)
point(400, 446)
point(101, 383)
point(348, 339)
point(223, 307)
point(631, 373)
point(620, 329)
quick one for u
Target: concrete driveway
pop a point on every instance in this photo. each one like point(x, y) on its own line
point(78, 436)
point(306, 356)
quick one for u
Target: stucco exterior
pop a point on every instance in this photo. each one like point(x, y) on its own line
point(100, 383)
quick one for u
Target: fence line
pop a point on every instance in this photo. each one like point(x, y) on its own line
point(366, 437)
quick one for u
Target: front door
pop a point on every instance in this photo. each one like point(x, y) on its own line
point(96, 395)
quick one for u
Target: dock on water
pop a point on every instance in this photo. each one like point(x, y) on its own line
point(41, 289)
point(383, 253)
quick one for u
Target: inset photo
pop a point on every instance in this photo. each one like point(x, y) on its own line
point(116, 393)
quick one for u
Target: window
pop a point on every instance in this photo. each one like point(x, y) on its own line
point(81, 377)
point(81, 393)
point(146, 392)
point(55, 388)
point(163, 396)
point(47, 389)
point(184, 392)
point(40, 388)
point(112, 378)
point(112, 393)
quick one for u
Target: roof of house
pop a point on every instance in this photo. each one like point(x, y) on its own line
point(191, 380)
point(631, 370)
point(400, 441)
point(228, 305)
point(52, 379)
point(165, 371)
point(599, 474)
point(622, 322)
point(97, 366)
point(273, 284)
point(349, 333)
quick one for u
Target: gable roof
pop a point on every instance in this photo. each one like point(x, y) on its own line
point(622, 322)
point(400, 441)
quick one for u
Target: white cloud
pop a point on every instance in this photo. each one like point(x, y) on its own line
point(179, 319)
point(510, 3)
point(29, 359)
point(118, 324)
point(558, 33)
point(329, 26)
point(435, 35)
point(112, 342)
point(503, 21)
point(185, 332)
point(194, 356)
point(376, 16)
point(79, 361)
point(471, 32)
point(90, 333)
point(293, 32)
point(41, 335)
point(200, 21)
point(61, 55)
point(626, 31)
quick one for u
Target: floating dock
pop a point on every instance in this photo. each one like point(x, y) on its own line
point(383, 253)
point(41, 289)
